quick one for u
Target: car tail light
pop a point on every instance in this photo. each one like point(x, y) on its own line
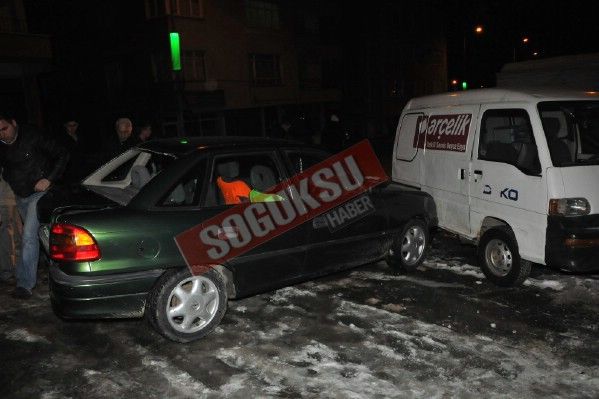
point(72, 243)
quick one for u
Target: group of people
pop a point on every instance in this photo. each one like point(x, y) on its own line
point(85, 155)
point(332, 136)
point(31, 164)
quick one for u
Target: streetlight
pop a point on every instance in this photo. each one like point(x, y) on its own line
point(524, 42)
point(478, 30)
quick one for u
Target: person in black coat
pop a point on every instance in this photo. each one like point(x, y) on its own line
point(71, 140)
point(121, 141)
point(31, 164)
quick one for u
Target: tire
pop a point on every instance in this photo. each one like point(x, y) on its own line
point(198, 313)
point(499, 258)
point(410, 247)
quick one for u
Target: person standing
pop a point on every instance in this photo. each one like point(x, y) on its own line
point(72, 142)
point(31, 163)
point(145, 132)
point(122, 141)
point(332, 137)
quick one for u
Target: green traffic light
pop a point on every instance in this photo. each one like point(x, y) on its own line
point(175, 51)
point(464, 85)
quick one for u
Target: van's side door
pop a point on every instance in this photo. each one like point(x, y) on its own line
point(448, 144)
point(506, 179)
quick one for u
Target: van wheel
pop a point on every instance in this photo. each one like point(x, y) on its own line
point(183, 307)
point(499, 258)
point(410, 247)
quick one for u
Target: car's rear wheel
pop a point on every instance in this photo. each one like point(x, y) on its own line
point(183, 307)
point(499, 258)
point(410, 247)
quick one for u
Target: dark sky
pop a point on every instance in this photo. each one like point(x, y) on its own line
point(553, 28)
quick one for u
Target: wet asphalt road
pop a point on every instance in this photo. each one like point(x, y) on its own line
point(443, 331)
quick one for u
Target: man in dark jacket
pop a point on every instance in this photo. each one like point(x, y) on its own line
point(31, 163)
point(72, 142)
point(121, 141)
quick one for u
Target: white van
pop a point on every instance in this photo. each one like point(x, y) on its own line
point(516, 172)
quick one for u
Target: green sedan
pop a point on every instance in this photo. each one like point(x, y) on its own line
point(113, 254)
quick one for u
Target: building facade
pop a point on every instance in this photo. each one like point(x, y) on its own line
point(23, 57)
point(247, 66)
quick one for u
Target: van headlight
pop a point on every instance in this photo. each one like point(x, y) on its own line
point(569, 207)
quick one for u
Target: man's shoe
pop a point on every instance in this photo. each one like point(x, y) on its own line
point(22, 293)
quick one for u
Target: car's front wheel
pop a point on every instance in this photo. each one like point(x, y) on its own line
point(183, 307)
point(409, 248)
point(499, 258)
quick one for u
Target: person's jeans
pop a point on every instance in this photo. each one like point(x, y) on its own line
point(27, 265)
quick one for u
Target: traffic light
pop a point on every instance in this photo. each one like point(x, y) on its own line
point(175, 51)
point(464, 85)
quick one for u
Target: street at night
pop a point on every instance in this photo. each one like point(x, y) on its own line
point(442, 331)
point(299, 199)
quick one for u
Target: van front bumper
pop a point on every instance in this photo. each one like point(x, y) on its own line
point(105, 296)
point(573, 243)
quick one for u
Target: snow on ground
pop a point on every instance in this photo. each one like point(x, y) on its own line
point(464, 269)
point(442, 331)
point(21, 334)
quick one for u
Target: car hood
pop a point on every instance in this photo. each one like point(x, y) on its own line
point(581, 181)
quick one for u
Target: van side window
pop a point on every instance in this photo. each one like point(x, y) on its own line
point(506, 136)
point(406, 147)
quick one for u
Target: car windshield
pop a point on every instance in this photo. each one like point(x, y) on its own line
point(123, 177)
point(572, 131)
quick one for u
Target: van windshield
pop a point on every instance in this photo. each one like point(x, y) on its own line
point(572, 131)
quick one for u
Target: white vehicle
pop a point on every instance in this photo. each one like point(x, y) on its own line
point(516, 172)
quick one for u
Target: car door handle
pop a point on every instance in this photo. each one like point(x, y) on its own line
point(478, 172)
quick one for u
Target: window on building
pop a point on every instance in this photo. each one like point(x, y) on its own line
point(9, 18)
point(186, 8)
point(113, 71)
point(310, 73)
point(262, 14)
point(311, 24)
point(194, 69)
point(331, 73)
point(155, 8)
point(265, 69)
point(161, 65)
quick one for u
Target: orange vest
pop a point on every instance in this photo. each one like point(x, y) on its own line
point(233, 192)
